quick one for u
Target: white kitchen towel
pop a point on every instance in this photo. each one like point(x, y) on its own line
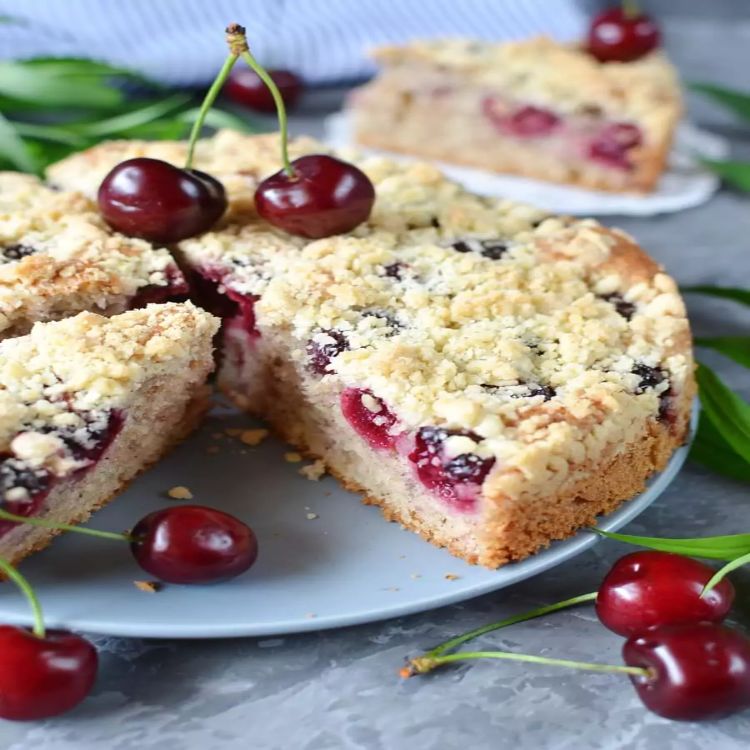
point(685, 184)
point(180, 42)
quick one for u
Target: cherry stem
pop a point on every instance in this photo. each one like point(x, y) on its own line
point(630, 8)
point(530, 615)
point(41, 523)
point(424, 664)
point(30, 595)
point(208, 101)
point(720, 574)
point(280, 109)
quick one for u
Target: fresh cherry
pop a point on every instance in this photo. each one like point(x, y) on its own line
point(622, 35)
point(244, 86)
point(193, 544)
point(43, 676)
point(322, 196)
point(697, 671)
point(157, 201)
point(647, 589)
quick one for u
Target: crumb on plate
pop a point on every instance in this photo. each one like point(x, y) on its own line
point(314, 471)
point(180, 493)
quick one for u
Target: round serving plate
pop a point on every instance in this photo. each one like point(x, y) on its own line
point(325, 559)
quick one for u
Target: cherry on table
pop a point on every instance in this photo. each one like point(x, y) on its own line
point(620, 35)
point(651, 588)
point(154, 200)
point(193, 544)
point(43, 676)
point(324, 196)
point(244, 86)
point(698, 671)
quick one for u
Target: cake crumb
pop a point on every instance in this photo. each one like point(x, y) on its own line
point(292, 457)
point(312, 516)
point(253, 437)
point(314, 471)
point(451, 577)
point(180, 493)
point(415, 575)
point(150, 587)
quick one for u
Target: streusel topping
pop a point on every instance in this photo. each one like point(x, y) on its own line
point(61, 384)
point(542, 69)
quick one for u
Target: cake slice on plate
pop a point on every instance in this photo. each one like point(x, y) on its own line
point(534, 108)
point(88, 403)
point(57, 258)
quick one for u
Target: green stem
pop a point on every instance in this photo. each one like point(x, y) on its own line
point(424, 664)
point(458, 640)
point(722, 572)
point(280, 109)
point(631, 9)
point(28, 592)
point(41, 523)
point(210, 98)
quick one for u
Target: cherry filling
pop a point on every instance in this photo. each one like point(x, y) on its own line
point(492, 249)
point(624, 308)
point(370, 417)
point(238, 310)
point(87, 443)
point(457, 479)
point(612, 145)
point(11, 253)
point(323, 347)
point(175, 289)
point(650, 378)
point(523, 122)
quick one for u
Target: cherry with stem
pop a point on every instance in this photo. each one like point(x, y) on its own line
point(186, 544)
point(622, 34)
point(42, 673)
point(316, 195)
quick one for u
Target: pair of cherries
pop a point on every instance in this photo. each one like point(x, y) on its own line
point(697, 668)
point(313, 196)
point(44, 674)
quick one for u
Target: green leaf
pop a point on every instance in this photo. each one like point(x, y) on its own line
point(55, 133)
point(13, 149)
point(710, 449)
point(737, 101)
point(734, 347)
point(727, 411)
point(724, 292)
point(708, 547)
point(131, 119)
point(55, 86)
point(735, 173)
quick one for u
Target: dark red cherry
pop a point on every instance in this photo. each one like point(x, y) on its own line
point(618, 36)
point(245, 87)
point(326, 196)
point(649, 589)
point(611, 146)
point(157, 201)
point(193, 544)
point(43, 677)
point(370, 417)
point(698, 671)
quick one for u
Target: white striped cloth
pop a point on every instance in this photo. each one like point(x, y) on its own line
point(181, 41)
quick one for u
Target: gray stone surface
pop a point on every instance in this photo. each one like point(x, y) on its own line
point(340, 689)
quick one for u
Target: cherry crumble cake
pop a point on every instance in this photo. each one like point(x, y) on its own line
point(491, 376)
point(535, 108)
point(79, 400)
point(57, 259)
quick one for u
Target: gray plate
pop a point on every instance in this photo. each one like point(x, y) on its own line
point(344, 567)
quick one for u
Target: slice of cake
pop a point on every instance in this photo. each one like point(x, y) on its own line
point(534, 108)
point(57, 258)
point(89, 402)
point(492, 377)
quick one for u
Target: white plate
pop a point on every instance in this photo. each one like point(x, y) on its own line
point(684, 185)
point(344, 567)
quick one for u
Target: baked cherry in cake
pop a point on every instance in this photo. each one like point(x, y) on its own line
point(58, 258)
point(79, 400)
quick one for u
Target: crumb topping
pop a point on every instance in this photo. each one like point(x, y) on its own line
point(57, 256)
point(64, 386)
